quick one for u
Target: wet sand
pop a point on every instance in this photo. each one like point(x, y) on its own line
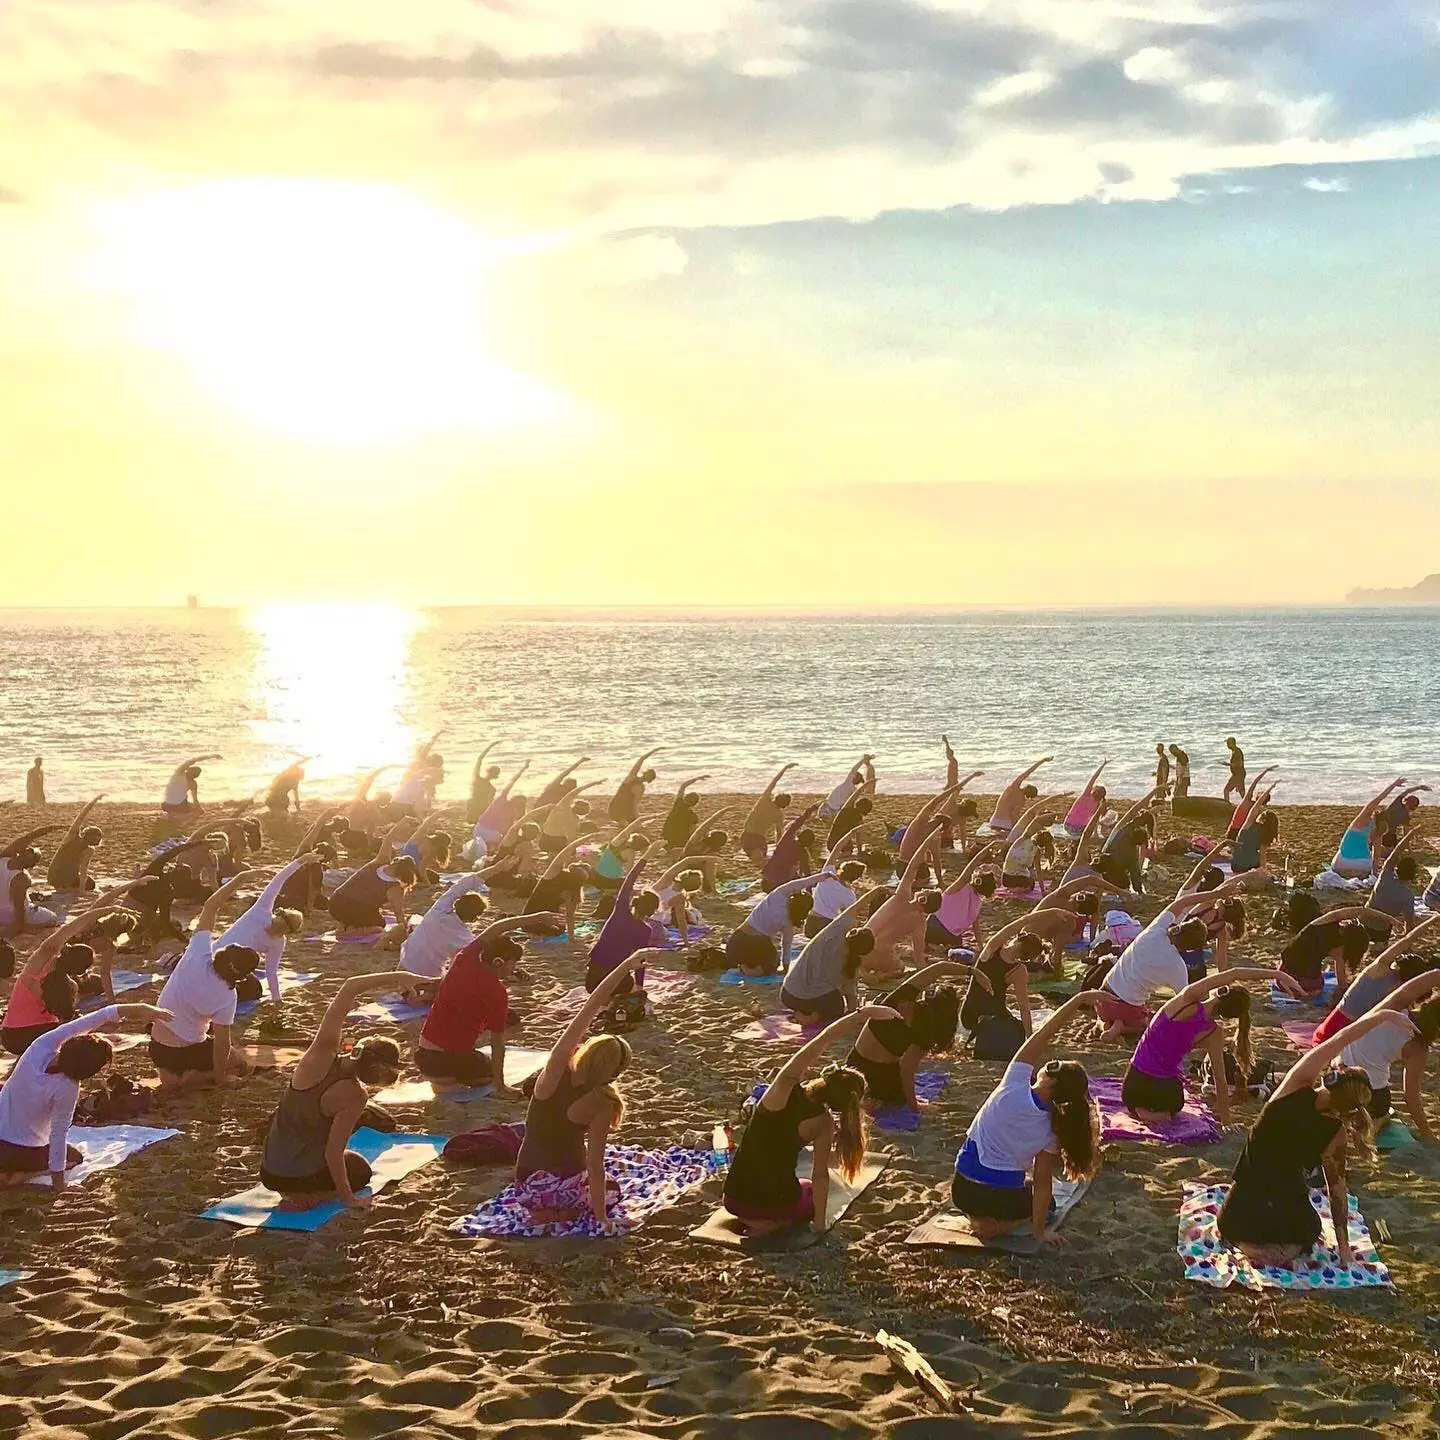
point(144, 1319)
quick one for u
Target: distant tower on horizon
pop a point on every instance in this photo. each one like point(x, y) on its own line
point(192, 602)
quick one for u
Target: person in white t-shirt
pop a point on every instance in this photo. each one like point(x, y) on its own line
point(761, 944)
point(862, 773)
point(182, 792)
point(1377, 1051)
point(37, 1102)
point(1038, 1119)
point(443, 931)
point(264, 929)
point(1155, 960)
point(192, 1046)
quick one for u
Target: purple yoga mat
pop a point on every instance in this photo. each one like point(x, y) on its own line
point(928, 1085)
point(1194, 1125)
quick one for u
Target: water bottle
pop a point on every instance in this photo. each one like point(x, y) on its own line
point(720, 1142)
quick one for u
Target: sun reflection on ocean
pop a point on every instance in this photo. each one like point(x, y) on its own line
point(334, 681)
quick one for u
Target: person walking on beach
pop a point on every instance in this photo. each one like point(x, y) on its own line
point(35, 783)
point(1162, 768)
point(1182, 773)
point(1236, 782)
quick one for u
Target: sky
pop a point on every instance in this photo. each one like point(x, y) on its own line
point(730, 302)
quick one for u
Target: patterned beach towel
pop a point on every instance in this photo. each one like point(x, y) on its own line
point(1210, 1261)
point(1194, 1125)
point(641, 1183)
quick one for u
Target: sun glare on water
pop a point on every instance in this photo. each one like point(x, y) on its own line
point(333, 681)
point(336, 312)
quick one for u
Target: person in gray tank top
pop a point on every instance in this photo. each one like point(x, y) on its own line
point(305, 1158)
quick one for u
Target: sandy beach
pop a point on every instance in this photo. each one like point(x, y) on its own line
point(143, 1319)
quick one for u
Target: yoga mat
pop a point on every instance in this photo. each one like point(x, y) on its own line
point(1210, 1261)
point(520, 1065)
point(777, 1029)
point(1035, 892)
point(1393, 1135)
point(648, 1181)
point(1194, 1125)
point(1300, 1034)
point(928, 1086)
point(734, 889)
point(1279, 1000)
point(738, 977)
point(584, 930)
point(392, 1157)
point(723, 1228)
point(673, 940)
point(106, 1146)
point(289, 980)
point(952, 1230)
point(122, 981)
point(9, 1277)
point(390, 1009)
point(660, 986)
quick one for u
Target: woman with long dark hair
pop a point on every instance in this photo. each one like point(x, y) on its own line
point(1036, 1121)
point(827, 1113)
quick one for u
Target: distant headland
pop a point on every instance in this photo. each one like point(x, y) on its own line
point(1427, 592)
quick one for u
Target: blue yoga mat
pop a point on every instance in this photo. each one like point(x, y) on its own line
point(392, 1157)
point(737, 977)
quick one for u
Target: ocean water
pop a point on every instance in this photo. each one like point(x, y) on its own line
point(1341, 700)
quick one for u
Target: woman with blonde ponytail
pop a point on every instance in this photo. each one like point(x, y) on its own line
point(1036, 1119)
point(1267, 1214)
point(1154, 1088)
point(574, 1106)
point(761, 1187)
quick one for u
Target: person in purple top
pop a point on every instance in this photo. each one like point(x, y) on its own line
point(788, 860)
point(626, 930)
point(1154, 1086)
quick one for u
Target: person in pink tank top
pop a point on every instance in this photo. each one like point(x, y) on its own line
point(1154, 1086)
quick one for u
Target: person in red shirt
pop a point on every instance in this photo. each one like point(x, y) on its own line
point(472, 998)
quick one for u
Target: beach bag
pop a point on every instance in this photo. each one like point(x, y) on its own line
point(487, 1145)
point(703, 958)
point(997, 1037)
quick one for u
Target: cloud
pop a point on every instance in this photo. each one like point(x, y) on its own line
point(1337, 186)
point(636, 259)
point(650, 116)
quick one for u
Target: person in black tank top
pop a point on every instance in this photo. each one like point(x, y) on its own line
point(305, 1157)
point(573, 1107)
point(1002, 964)
point(762, 1189)
point(887, 1052)
point(1267, 1214)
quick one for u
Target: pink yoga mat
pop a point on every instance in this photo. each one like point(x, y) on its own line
point(1194, 1125)
point(1300, 1034)
point(776, 1029)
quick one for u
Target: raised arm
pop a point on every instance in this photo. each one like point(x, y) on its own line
point(1183, 904)
point(579, 1027)
point(1094, 780)
point(1058, 896)
point(265, 901)
point(1032, 1052)
point(480, 760)
point(905, 888)
point(1393, 858)
point(1142, 804)
point(210, 911)
point(799, 1064)
point(21, 841)
point(396, 836)
point(969, 867)
point(1304, 1073)
point(79, 820)
point(639, 765)
point(1193, 878)
point(1193, 994)
point(514, 780)
point(528, 923)
point(1255, 784)
point(779, 775)
point(323, 1048)
point(1002, 936)
point(43, 954)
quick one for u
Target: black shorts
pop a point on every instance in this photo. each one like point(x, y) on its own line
point(183, 1059)
point(469, 1067)
point(829, 1007)
point(318, 1182)
point(351, 915)
point(938, 936)
point(1379, 1106)
point(814, 924)
point(749, 950)
point(553, 894)
point(882, 1079)
point(1149, 1092)
point(17, 1039)
point(992, 1202)
point(32, 1159)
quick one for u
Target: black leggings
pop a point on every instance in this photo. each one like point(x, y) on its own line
point(469, 1067)
point(321, 1182)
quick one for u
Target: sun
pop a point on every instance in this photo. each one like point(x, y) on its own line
point(333, 311)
